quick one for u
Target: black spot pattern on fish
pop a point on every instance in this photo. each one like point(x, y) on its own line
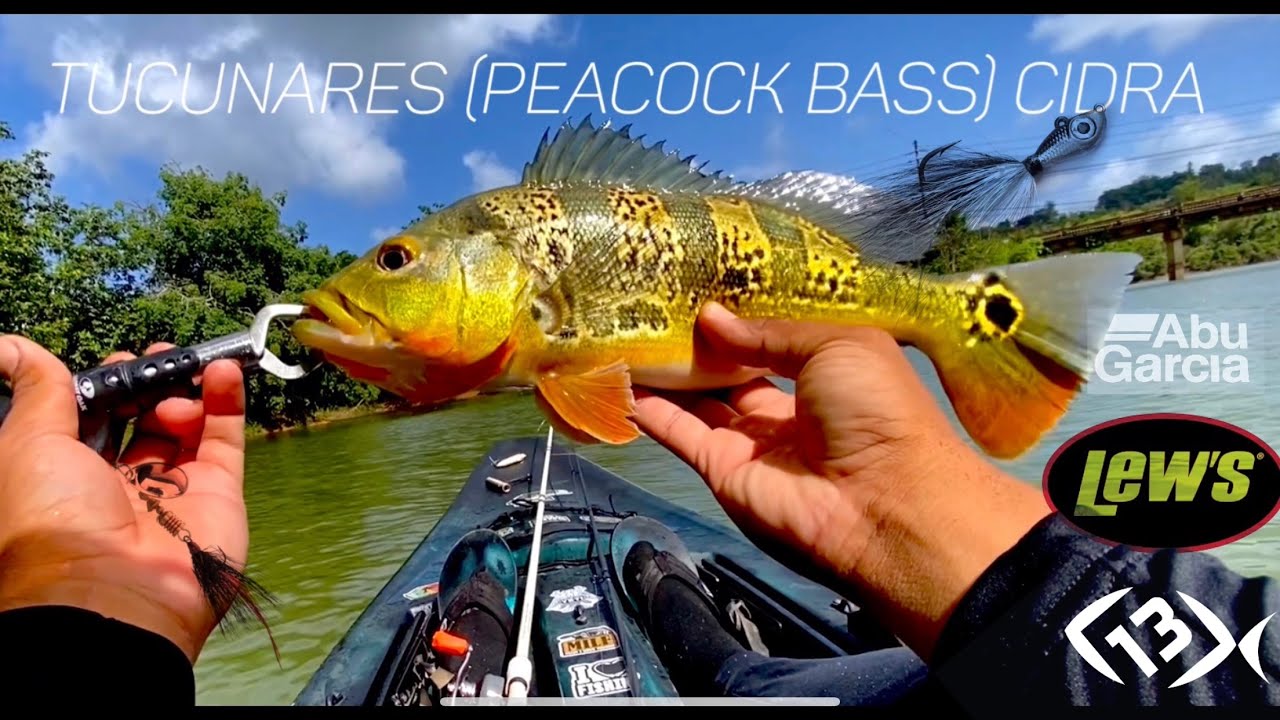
point(538, 220)
point(1000, 312)
point(641, 315)
point(832, 267)
point(991, 310)
point(744, 252)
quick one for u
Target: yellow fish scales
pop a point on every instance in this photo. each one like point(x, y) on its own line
point(586, 279)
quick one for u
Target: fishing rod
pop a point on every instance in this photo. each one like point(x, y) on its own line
point(520, 668)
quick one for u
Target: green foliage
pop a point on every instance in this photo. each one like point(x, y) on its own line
point(962, 249)
point(199, 263)
point(1212, 179)
point(1208, 246)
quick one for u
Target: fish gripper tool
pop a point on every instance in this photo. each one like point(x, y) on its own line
point(109, 395)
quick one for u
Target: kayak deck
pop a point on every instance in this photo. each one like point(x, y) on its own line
point(584, 642)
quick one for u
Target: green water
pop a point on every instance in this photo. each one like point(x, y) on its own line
point(335, 510)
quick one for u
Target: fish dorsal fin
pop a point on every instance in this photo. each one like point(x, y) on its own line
point(607, 155)
point(841, 205)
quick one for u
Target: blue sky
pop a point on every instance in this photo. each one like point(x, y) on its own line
point(353, 177)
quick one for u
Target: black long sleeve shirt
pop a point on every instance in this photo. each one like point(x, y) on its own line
point(1005, 647)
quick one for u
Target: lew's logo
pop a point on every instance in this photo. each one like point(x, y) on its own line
point(1144, 351)
point(1165, 481)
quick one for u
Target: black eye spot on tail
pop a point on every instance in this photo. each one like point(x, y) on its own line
point(1001, 312)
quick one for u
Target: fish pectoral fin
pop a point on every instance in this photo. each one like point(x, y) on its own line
point(598, 404)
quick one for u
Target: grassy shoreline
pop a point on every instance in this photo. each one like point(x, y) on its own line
point(330, 417)
point(321, 419)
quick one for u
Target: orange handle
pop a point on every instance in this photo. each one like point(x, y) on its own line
point(449, 644)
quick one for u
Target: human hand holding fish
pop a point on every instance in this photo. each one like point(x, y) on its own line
point(585, 279)
point(858, 471)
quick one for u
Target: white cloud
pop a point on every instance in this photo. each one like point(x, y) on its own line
point(379, 234)
point(336, 151)
point(1165, 32)
point(773, 154)
point(487, 172)
point(1197, 139)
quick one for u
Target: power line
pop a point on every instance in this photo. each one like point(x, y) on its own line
point(1177, 151)
point(1134, 131)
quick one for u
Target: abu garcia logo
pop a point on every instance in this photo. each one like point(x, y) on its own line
point(1161, 348)
point(1165, 481)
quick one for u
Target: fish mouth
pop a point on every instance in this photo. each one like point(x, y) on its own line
point(360, 344)
point(335, 325)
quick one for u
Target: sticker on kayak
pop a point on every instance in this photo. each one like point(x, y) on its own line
point(587, 641)
point(422, 592)
point(566, 601)
point(599, 678)
point(530, 498)
point(553, 518)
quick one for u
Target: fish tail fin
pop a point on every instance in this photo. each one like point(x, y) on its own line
point(1027, 344)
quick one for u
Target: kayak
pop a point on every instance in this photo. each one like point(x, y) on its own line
point(573, 634)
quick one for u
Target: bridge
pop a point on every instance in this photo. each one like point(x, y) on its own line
point(1169, 222)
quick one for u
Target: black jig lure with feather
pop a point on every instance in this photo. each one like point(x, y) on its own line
point(899, 216)
point(983, 187)
point(231, 594)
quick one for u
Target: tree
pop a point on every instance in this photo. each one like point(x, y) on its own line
point(199, 263)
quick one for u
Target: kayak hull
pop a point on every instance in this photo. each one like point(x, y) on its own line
point(584, 640)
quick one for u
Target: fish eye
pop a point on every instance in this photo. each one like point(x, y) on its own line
point(1084, 128)
point(394, 256)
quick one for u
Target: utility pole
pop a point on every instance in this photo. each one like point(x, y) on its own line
point(915, 145)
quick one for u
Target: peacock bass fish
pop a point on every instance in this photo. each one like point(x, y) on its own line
point(585, 280)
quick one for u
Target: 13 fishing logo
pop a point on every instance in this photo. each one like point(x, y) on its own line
point(1184, 352)
point(1158, 615)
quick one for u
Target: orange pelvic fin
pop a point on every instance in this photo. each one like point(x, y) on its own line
point(595, 406)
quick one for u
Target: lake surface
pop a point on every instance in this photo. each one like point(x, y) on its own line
point(335, 510)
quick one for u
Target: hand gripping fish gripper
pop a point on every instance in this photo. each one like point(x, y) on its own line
point(109, 395)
